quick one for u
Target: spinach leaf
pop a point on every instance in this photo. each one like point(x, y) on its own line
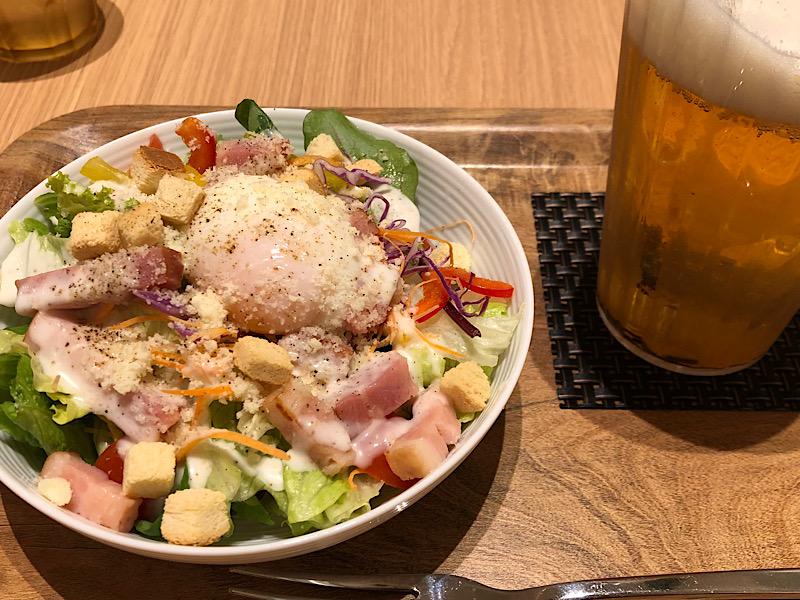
point(397, 164)
point(253, 509)
point(150, 529)
point(252, 118)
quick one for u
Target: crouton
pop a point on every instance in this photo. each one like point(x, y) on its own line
point(461, 256)
point(416, 453)
point(55, 489)
point(195, 517)
point(262, 360)
point(324, 146)
point(467, 387)
point(307, 176)
point(177, 200)
point(149, 165)
point(141, 226)
point(149, 470)
point(368, 165)
point(94, 233)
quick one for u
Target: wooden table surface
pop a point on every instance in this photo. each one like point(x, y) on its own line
point(549, 495)
point(374, 53)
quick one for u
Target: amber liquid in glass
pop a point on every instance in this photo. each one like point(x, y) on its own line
point(700, 260)
point(36, 30)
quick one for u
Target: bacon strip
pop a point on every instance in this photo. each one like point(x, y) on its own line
point(108, 278)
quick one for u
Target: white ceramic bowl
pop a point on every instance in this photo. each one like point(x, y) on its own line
point(446, 193)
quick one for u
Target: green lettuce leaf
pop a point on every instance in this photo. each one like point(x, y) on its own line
point(31, 412)
point(19, 230)
point(397, 163)
point(310, 493)
point(66, 200)
point(223, 416)
point(13, 342)
point(316, 501)
point(424, 363)
point(255, 509)
point(225, 475)
point(496, 329)
point(67, 407)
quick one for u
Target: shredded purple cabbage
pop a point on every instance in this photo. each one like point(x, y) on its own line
point(448, 288)
point(386, 205)
point(162, 302)
point(182, 329)
point(483, 303)
point(396, 224)
point(461, 320)
point(354, 177)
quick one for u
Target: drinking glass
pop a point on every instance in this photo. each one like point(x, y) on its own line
point(700, 256)
point(37, 30)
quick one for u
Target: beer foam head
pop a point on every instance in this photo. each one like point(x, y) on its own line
point(741, 54)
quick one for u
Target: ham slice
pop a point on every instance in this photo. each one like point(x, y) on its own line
point(94, 495)
point(363, 222)
point(377, 389)
point(258, 155)
point(70, 350)
point(310, 425)
point(433, 408)
point(108, 278)
point(433, 416)
point(376, 439)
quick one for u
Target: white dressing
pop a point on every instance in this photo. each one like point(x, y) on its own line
point(400, 207)
point(266, 469)
point(299, 461)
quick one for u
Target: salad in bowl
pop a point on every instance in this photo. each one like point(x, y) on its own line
point(244, 332)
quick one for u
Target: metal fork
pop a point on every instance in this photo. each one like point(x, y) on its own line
point(768, 583)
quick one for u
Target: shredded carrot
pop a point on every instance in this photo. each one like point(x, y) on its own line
point(137, 320)
point(452, 224)
point(410, 236)
point(101, 313)
point(166, 354)
point(214, 390)
point(439, 347)
point(200, 407)
point(351, 479)
point(420, 285)
point(231, 436)
point(161, 362)
point(212, 333)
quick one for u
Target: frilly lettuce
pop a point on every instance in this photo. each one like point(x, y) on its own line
point(496, 327)
point(68, 198)
point(70, 407)
point(315, 501)
point(427, 364)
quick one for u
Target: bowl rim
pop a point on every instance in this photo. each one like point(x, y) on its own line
point(317, 540)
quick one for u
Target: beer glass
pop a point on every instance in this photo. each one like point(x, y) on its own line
point(700, 256)
point(36, 30)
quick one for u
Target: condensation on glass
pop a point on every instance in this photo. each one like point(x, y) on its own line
point(700, 259)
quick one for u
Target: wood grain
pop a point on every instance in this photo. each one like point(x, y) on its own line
point(549, 495)
point(376, 53)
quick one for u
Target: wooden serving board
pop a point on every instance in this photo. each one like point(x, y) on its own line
point(549, 495)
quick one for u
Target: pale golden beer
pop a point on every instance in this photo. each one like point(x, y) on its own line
point(700, 255)
point(34, 30)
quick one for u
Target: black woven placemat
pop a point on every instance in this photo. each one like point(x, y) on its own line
point(593, 370)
